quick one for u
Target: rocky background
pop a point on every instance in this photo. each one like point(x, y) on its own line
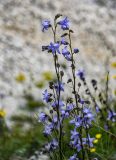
point(94, 24)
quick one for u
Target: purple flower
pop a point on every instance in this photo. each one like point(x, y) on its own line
point(46, 96)
point(111, 116)
point(54, 47)
point(76, 50)
point(81, 101)
point(55, 119)
point(65, 51)
point(64, 23)
point(86, 110)
point(52, 145)
point(64, 114)
point(70, 107)
point(45, 24)
point(97, 108)
point(74, 157)
point(77, 121)
point(75, 143)
point(78, 146)
point(59, 86)
point(42, 117)
point(63, 41)
point(88, 117)
point(88, 141)
point(55, 104)
point(72, 121)
point(84, 120)
point(80, 74)
point(48, 129)
point(68, 57)
point(74, 134)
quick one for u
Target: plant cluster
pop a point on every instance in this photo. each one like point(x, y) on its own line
point(73, 125)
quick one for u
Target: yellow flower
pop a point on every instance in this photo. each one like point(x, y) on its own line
point(92, 150)
point(98, 136)
point(2, 113)
point(114, 76)
point(40, 84)
point(95, 141)
point(113, 64)
point(20, 77)
point(47, 75)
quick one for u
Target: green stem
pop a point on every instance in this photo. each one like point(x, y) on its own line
point(74, 89)
point(58, 95)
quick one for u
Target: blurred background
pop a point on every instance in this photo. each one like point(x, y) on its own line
point(94, 24)
point(25, 70)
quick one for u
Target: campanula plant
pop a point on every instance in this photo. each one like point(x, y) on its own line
point(77, 112)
